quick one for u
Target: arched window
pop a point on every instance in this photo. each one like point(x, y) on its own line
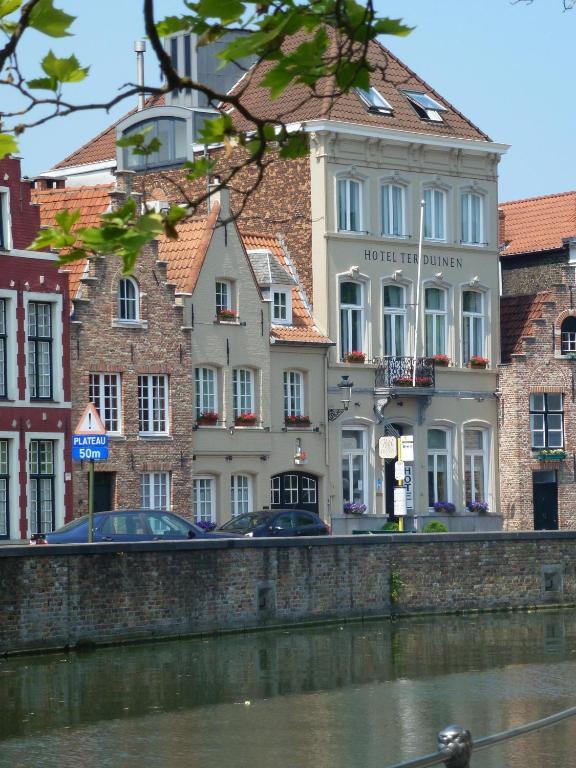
point(240, 494)
point(475, 464)
point(568, 335)
point(351, 318)
point(472, 218)
point(349, 201)
point(354, 465)
point(434, 214)
point(438, 463)
point(472, 325)
point(128, 299)
point(393, 210)
point(435, 319)
point(394, 301)
point(206, 395)
point(169, 131)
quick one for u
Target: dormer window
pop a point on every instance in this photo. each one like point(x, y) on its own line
point(170, 132)
point(425, 106)
point(281, 306)
point(374, 101)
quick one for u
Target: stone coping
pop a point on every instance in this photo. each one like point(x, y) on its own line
point(357, 540)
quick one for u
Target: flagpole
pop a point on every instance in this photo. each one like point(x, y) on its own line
point(418, 292)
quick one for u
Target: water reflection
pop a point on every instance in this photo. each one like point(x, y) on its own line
point(352, 695)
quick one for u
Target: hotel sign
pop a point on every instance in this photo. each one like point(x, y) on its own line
point(402, 257)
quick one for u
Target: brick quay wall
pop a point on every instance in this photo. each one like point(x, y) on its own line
point(66, 596)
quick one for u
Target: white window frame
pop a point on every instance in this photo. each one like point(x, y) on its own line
point(243, 401)
point(393, 313)
point(387, 199)
point(347, 455)
point(155, 491)
point(57, 439)
point(472, 457)
point(435, 453)
point(568, 337)
point(38, 342)
point(435, 315)
point(153, 411)
point(11, 346)
point(294, 403)
point(228, 303)
point(240, 494)
point(346, 345)
point(102, 400)
point(374, 100)
point(12, 487)
point(5, 220)
point(56, 301)
point(469, 322)
point(345, 223)
point(204, 510)
point(124, 302)
point(204, 391)
point(433, 235)
point(467, 230)
point(542, 416)
point(286, 293)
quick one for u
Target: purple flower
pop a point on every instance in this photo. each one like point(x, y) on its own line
point(477, 506)
point(354, 508)
point(206, 525)
point(444, 506)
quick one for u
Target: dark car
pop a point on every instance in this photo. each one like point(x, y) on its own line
point(128, 525)
point(277, 522)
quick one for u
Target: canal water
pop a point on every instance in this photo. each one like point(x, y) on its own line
point(342, 696)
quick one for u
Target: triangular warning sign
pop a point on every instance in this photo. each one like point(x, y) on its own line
point(90, 422)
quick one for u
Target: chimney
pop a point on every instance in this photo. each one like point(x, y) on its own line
point(221, 196)
point(140, 47)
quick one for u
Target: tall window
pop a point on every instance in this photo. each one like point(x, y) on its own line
point(240, 495)
point(568, 335)
point(393, 210)
point(105, 393)
point(3, 205)
point(354, 465)
point(394, 320)
point(153, 404)
point(472, 218)
point(438, 484)
point(3, 350)
point(472, 324)
point(223, 296)
point(349, 205)
point(351, 318)
point(293, 393)
point(206, 396)
point(41, 476)
point(434, 214)
point(243, 391)
point(474, 464)
point(435, 319)
point(40, 350)
point(547, 420)
point(155, 490)
point(282, 306)
point(4, 482)
point(204, 499)
point(128, 299)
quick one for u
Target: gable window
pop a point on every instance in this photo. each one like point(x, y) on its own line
point(169, 131)
point(394, 320)
point(128, 300)
point(374, 101)
point(206, 392)
point(3, 351)
point(204, 499)
point(351, 318)
point(547, 420)
point(240, 495)
point(155, 490)
point(41, 474)
point(105, 393)
point(4, 212)
point(349, 205)
point(438, 484)
point(435, 321)
point(434, 214)
point(472, 218)
point(293, 393)
point(475, 464)
point(282, 306)
point(354, 460)
point(243, 391)
point(4, 486)
point(568, 335)
point(425, 106)
point(393, 213)
point(472, 325)
point(225, 300)
point(40, 350)
point(152, 404)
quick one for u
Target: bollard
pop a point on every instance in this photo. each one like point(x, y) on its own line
point(457, 742)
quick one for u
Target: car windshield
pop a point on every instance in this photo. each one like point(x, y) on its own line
point(244, 523)
point(72, 524)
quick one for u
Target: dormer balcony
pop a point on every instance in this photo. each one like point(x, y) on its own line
point(396, 374)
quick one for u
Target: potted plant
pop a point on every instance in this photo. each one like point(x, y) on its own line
point(246, 419)
point(442, 361)
point(227, 314)
point(206, 525)
point(207, 417)
point(445, 507)
point(551, 454)
point(355, 357)
point(354, 508)
point(406, 381)
point(476, 361)
point(477, 506)
point(297, 421)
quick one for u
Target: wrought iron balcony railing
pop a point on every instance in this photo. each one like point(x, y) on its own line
point(398, 372)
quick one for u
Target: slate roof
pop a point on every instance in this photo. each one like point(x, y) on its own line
point(267, 269)
point(517, 314)
point(537, 224)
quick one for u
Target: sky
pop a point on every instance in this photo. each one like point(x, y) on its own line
point(507, 66)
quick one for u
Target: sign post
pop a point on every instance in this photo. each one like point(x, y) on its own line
point(90, 443)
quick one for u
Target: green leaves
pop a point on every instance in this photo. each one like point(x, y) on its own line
point(8, 145)
point(49, 20)
point(64, 70)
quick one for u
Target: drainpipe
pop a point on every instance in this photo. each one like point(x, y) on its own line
point(139, 48)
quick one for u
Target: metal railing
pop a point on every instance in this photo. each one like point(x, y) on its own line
point(455, 744)
point(398, 372)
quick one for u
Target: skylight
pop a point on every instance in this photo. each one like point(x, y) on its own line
point(374, 101)
point(426, 107)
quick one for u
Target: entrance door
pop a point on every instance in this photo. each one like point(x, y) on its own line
point(294, 490)
point(103, 491)
point(545, 495)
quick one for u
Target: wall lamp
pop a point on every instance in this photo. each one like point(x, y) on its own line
point(345, 386)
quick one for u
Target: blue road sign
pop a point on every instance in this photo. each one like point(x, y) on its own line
point(89, 447)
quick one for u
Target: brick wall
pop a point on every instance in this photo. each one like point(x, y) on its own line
point(25, 217)
point(530, 273)
point(54, 597)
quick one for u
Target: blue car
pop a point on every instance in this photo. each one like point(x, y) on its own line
point(276, 522)
point(128, 525)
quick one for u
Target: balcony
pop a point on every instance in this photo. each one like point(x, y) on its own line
point(397, 373)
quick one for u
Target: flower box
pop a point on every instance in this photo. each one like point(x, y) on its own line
point(297, 421)
point(246, 419)
point(478, 362)
point(551, 454)
point(477, 506)
point(353, 508)
point(445, 506)
point(406, 381)
point(206, 525)
point(227, 314)
point(441, 361)
point(208, 417)
point(355, 357)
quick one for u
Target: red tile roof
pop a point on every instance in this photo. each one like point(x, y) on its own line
point(517, 314)
point(537, 224)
